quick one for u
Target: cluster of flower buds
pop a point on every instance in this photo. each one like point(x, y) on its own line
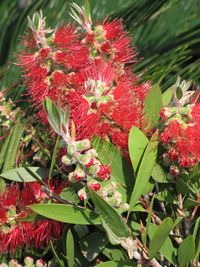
point(88, 68)
point(89, 170)
point(7, 114)
point(28, 262)
point(179, 132)
point(16, 230)
point(111, 195)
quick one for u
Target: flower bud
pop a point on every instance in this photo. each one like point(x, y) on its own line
point(71, 149)
point(83, 145)
point(95, 186)
point(86, 160)
point(14, 263)
point(79, 173)
point(165, 113)
point(174, 170)
point(117, 199)
point(40, 263)
point(92, 153)
point(66, 160)
point(82, 194)
point(28, 261)
point(103, 172)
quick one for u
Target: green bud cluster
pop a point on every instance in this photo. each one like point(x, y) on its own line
point(28, 262)
point(88, 167)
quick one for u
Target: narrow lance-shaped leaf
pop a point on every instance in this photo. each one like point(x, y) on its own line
point(70, 248)
point(167, 250)
point(11, 151)
point(22, 175)
point(145, 170)
point(112, 218)
point(148, 220)
point(117, 264)
point(137, 143)
point(186, 251)
point(153, 105)
point(160, 236)
point(53, 160)
point(53, 114)
point(66, 213)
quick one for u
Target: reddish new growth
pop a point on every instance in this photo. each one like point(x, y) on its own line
point(15, 230)
point(180, 135)
point(90, 71)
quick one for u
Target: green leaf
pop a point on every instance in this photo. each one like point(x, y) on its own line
point(58, 258)
point(81, 230)
point(116, 264)
point(186, 251)
point(93, 244)
point(53, 160)
point(121, 169)
point(2, 185)
point(114, 239)
point(167, 249)
point(22, 175)
point(53, 114)
point(70, 248)
point(190, 203)
point(87, 10)
point(115, 254)
point(167, 96)
point(66, 213)
point(182, 187)
point(158, 174)
point(160, 236)
point(137, 143)
point(69, 194)
point(145, 170)
point(148, 220)
point(196, 235)
point(11, 149)
point(119, 227)
point(4, 149)
point(153, 105)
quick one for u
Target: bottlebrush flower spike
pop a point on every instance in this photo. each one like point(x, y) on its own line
point(16, 233)
point(179, 131)
point(88, 70)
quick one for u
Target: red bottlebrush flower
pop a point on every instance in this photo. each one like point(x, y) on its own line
point(44, 53)
point(39, 91)
point(100, 97)
point(124, 52)
point(44, 231)
point(180, 135)
point(65, 36)
point(173, 131)
point(113, 29)
point(74, 58)
point(195, 112)
point(15, 238)
point(3, 216)
point(9, 197)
